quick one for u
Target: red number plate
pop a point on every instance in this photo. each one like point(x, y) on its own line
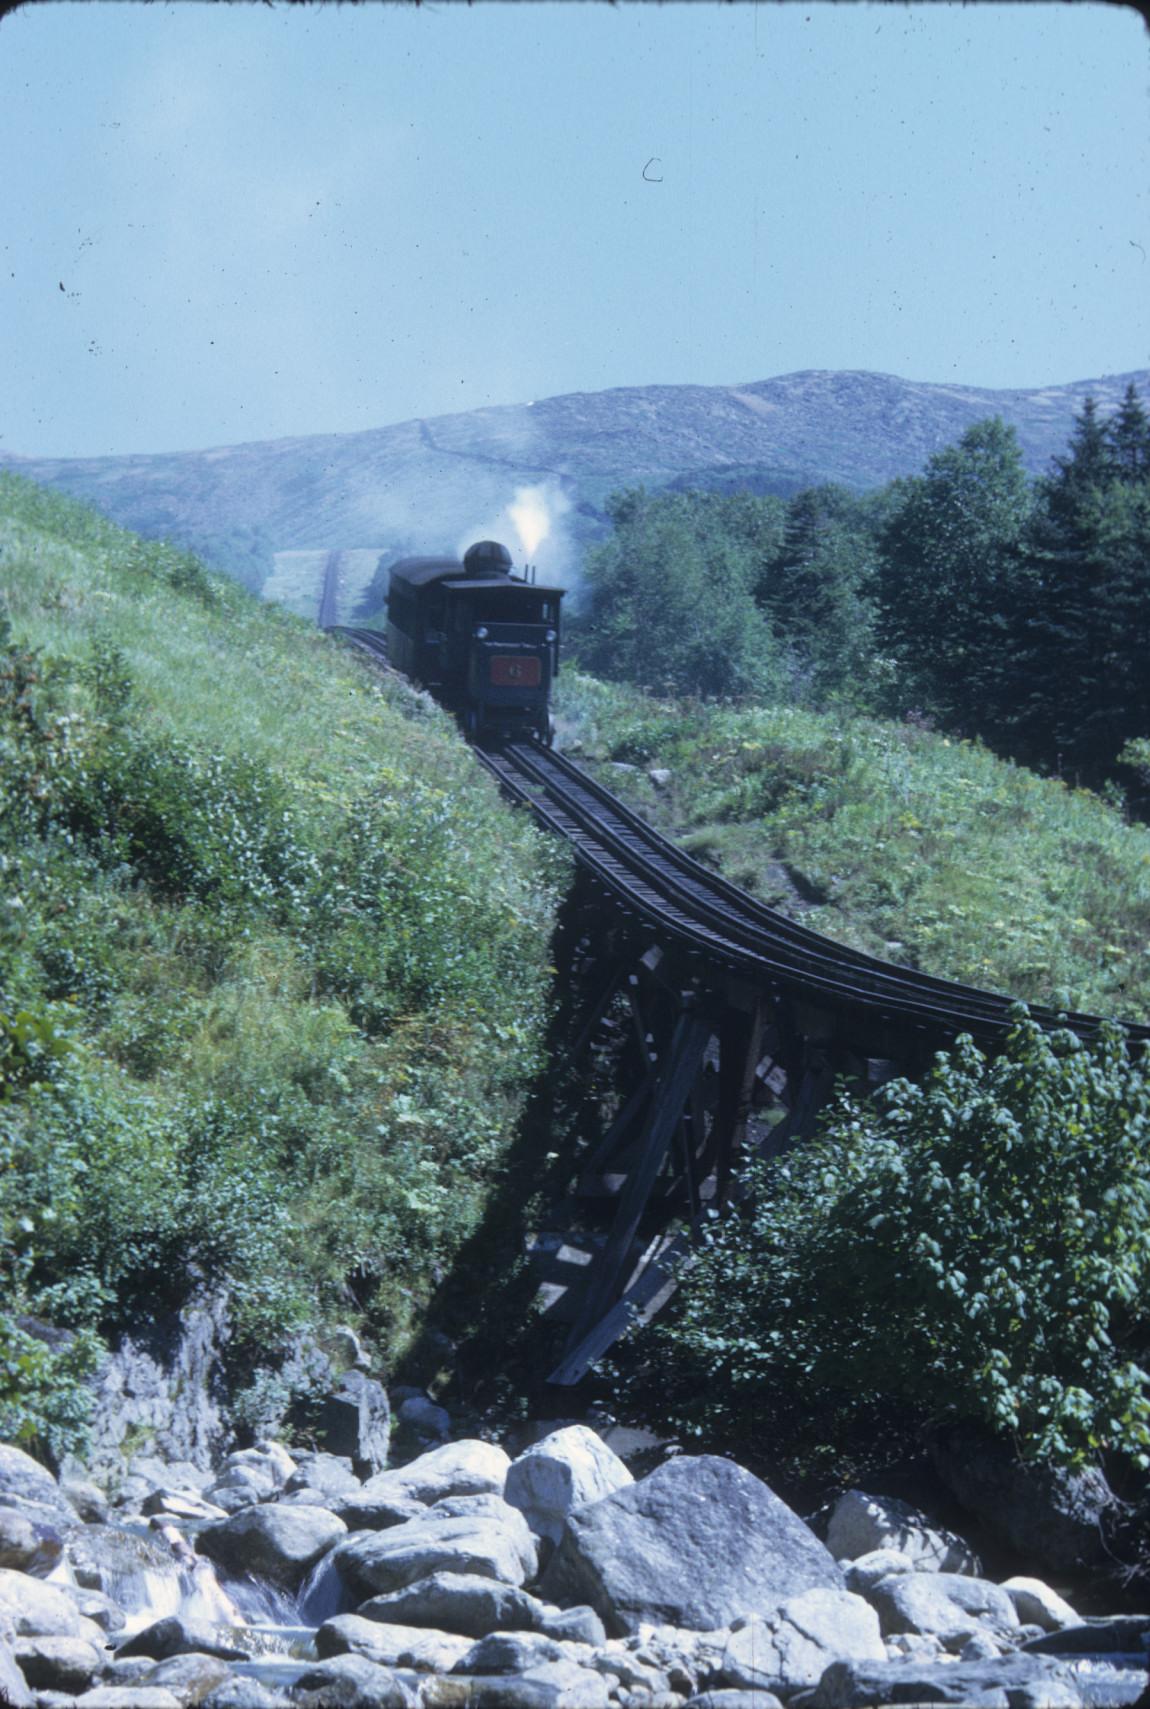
point(515, 673)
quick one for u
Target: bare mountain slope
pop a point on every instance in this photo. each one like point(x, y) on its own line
point(432, 484)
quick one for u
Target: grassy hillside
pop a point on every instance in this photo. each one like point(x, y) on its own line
point(900, 841)
point(273, 961)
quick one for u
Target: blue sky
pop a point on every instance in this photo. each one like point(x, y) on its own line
point(280, 221)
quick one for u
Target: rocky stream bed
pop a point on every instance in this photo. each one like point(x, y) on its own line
point(467, 1579)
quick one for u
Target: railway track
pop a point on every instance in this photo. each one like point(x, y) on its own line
point(664, 886)
point(753, 996)
point(329, 593)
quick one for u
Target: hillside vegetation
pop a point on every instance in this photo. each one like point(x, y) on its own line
point(895, 839)
point(273, 967)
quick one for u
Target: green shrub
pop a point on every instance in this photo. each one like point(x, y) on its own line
point(978, 1245)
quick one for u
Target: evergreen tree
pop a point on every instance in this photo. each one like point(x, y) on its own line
point(818, 591)
point(953, 578)
point(1128, 432)
point(1088, 639)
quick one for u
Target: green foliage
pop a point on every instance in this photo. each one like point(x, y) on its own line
point(271, 998)
point(671, 602)
point(895, 839)
point(954, 580)
point(978, 1245)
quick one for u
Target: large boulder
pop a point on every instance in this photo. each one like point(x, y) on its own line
point(548, 1685)
point(277, 1542)
point(1052, 1517)
point(175, 1635)
point(166, 1382)
point(458, 1468)
point(697, 1544)
point(191, 1677)
point(796, 1644)
point(330, 1473)
point(30, 1488)
point(1011, 1682)
point(1037, 1605)
point(33, 1609)
point(58, 1664)
point(474, 1606)
point(947, 1606)
point(567, 1469)
point(420, 1647)
point(862, 1523)
point(376, 1562)
point(355, 1423)
point(350, 1682)
point(15, 1691)
point(28, 1545)
point(459, 1602)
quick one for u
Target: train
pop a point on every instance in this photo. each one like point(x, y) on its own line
point(483, 640)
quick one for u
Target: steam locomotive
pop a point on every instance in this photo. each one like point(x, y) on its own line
point(485, 642)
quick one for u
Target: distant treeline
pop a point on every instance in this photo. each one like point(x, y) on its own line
point(993, 605)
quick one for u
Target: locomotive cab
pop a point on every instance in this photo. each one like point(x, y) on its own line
point(484, 641)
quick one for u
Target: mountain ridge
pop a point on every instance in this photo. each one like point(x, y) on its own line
point(429, 483)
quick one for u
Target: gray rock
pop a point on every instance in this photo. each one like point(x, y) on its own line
point(980, 1648)
point(728, 1697)
point(464, 1603)
point(1037, 1605)
point(388, 1645)
point(239, 1692)
point(86, 1499)
point(862, 1574)
point(35, 1609)
point(659, 776)
point(376, 1562)
point(376, 1513)
point(181, 1504)
point(574, 1626)
point(355, 1423)
point(948, 1606)
point(1120, 1634)
point(331, 1473)
point(457, 1468)
point(696, 1544)
point(421, 1415)
point(510, 1652)
point(191, 1677)
point(177, 1636)
point(566, 1470)
point(25, 1481)
point(95, 1606)
point(862, 1523)
point(350, 1682)
point(796, 1644)
point(1010, 1683)
point(28, 1545)
point(15, 1691)
point(1053, 1518)
point(127, 1670)
point(58, 1664)
point(551, 1685)
point(165, 1384)
point(278, 1542)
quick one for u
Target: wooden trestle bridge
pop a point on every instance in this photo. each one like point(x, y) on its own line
point(741, 1022)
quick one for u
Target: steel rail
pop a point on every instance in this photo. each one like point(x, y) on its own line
point(661, 883)
point(667, 887)
point(715, 893)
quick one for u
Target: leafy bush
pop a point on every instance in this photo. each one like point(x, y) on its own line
point(977, 1245)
